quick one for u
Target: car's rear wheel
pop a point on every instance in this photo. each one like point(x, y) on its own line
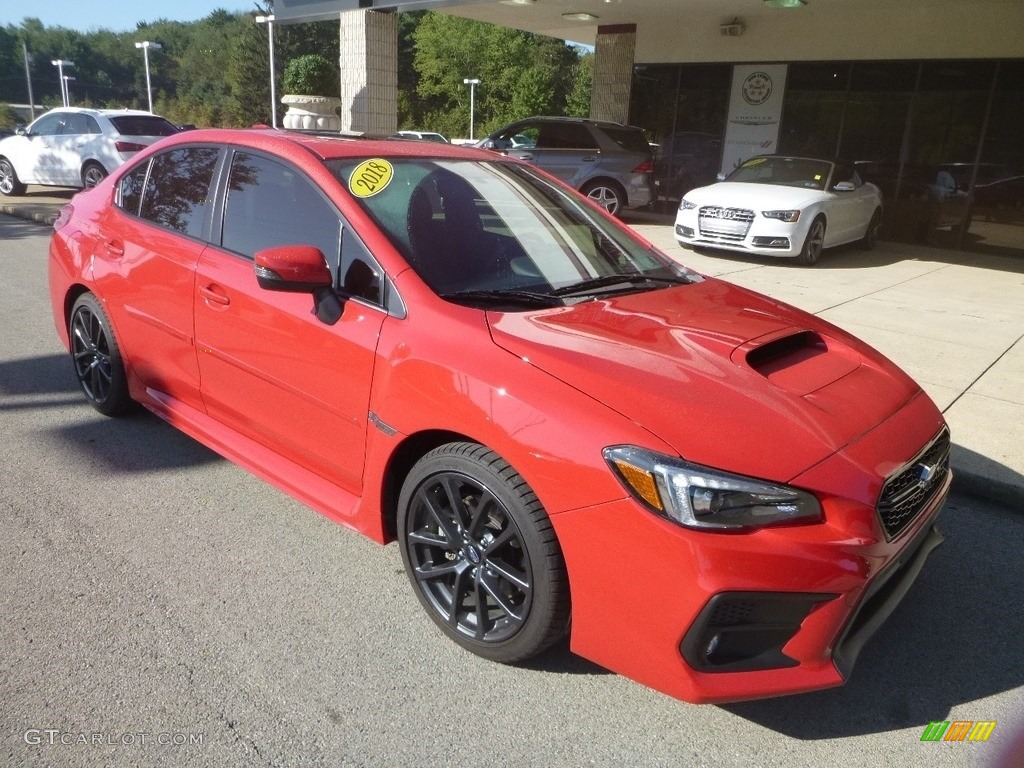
point(481, 554)
point(813, 243)
point(97, 358)
point(605, 193)
point(10, 185)
point(870, 239)
point(92, 174)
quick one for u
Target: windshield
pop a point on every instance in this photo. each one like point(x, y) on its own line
point(787, 171)
point(482, 232)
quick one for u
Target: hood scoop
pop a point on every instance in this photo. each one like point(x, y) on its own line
point(797, 360)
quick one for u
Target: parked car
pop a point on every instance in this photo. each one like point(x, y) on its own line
point(74, 147)
point(608, 162)
point(422, 136)
point(566, 431)
point(775, 205)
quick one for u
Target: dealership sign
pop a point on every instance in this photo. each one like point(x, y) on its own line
point(755, 109)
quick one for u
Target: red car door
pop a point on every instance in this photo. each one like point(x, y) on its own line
point(152, 244)
point(270, 369)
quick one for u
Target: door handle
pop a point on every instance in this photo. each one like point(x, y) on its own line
point(525, 157)
point(114, 247)
point(214, 294)
point(588, 159)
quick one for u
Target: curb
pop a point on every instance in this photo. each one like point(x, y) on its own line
point(46, 219)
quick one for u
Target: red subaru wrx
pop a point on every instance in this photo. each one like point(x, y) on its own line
point(568, 433)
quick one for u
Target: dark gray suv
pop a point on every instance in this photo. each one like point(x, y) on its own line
point(610, 163)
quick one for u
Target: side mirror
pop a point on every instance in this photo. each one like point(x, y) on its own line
point(292, 268)
point(300, 269)
point(844, 186)
point(21, 130)
point(487, 144)
point(720, 176)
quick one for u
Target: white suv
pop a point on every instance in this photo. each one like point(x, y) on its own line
point(73, 147)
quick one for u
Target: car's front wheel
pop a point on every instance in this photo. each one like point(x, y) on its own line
point(97, 358)
point(607, 194)
point(10, 185)
point(481, 554)
point(813, 243)
point(92, 174)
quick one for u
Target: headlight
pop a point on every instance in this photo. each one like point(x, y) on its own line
point(686, 205)
point(707, 499)
point(789, 216)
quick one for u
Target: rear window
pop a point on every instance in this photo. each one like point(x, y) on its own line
point(143, 125)
point(630, 139)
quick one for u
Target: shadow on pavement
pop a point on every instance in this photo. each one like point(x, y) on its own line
point(954, 640)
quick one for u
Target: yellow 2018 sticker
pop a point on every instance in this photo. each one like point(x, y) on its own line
point(370, 177)
point(755, 161)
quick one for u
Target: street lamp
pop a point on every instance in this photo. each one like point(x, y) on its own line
point(269, 21)
point(60, 64)
point(67, 93)
point(145, 45)
point(472, 82)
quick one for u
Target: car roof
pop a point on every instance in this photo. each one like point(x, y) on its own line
point(581, 120)
point(327, 146)
point(106, 112)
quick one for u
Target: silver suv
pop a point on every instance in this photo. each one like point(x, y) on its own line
point(610, 163)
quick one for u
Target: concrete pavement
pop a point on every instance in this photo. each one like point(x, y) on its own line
point(953, 320)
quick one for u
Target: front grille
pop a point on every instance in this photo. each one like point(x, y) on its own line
point(724, 223)
point(909, 490)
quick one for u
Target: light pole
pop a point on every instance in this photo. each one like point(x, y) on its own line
point(269, 21)
point(60, 64)
point(145, 45)
point(472, 82)
point(67, 92)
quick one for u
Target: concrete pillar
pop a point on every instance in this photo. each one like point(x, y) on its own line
point(369, 71)
point(613, 72)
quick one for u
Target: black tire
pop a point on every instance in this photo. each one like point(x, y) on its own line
point(481, 554)
point(92, 174)
point(605, 193)
point(870, 239)
point(97, 358)
point(811, 251)
point(10, 184)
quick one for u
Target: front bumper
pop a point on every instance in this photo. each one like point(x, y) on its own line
point(764, 237)
point(645, 590)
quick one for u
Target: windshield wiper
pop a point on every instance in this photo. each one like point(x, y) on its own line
point(605, 281)
point(505, 296)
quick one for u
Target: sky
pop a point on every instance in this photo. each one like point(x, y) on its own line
point(115, 15)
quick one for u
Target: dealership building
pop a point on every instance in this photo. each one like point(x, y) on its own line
point(926, 96)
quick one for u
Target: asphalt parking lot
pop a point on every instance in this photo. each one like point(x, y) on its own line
point(154, 589)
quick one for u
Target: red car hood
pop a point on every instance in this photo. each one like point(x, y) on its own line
point(729, 378)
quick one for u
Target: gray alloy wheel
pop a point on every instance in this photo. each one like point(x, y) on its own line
point(811, 251)
point(870, 239)
point(92, 174)
point(10, 186)
point(97, 358)
point(606, 194)
point(481, 554)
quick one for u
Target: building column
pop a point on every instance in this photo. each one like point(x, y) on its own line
point(369, 71)
point(613, 72)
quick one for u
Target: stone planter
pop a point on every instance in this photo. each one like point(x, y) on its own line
point(320, 112)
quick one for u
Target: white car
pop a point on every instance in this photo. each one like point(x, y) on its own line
point(782, 206)
point(422, 136)
point(73, 147)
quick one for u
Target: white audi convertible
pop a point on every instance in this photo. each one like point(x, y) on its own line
point(782, 206)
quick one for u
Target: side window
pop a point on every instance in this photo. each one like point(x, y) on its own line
point(48, 125)
point(91, 126)
point(129, 191)
point(565, 136)
point(76, 124)
point(178, 191)
point(269, 204)
point(360, 275)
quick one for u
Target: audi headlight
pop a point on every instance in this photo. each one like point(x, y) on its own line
point(686, 205)
point(707, 499)
point(789, 216)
